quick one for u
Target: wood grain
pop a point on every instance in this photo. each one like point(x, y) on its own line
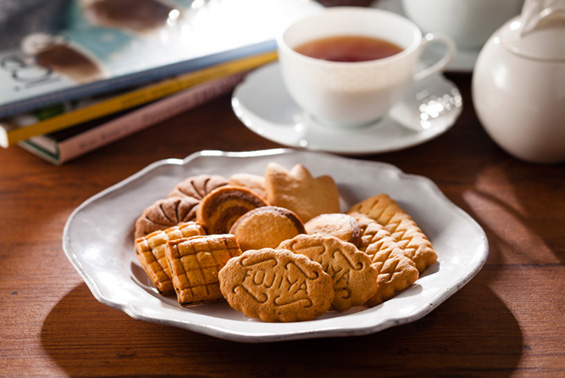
point(508, 321)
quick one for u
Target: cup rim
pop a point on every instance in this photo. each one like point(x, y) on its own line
point(283, 46)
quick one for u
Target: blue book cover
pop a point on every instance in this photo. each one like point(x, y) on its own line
point(98, 46)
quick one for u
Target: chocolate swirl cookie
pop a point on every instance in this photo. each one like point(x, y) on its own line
point(219, 210)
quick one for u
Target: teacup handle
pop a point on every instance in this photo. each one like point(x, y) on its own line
point(444, 61)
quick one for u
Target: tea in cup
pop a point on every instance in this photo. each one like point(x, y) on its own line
point(347, 66)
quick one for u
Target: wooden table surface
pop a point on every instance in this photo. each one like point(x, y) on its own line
point(508, 321)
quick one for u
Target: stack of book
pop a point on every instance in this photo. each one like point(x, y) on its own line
point(118, 66)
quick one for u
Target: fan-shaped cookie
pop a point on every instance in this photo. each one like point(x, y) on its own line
point(198, 187)
point(165, 213)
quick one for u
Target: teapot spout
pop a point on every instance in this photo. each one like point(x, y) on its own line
point(535, 12)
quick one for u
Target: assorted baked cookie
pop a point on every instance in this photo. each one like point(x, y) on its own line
point(277, 247)
point(198, 187)
point(195, 263)
point(150, 251)
point(354, 279)
point(253, 182)
point(276, 285)
point(165, 213)
point(401, 226)
point(219, 210)
point(297, 190)
point(266, 227)
point(342, 226)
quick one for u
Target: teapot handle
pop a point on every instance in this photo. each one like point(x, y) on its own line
point(444, 61)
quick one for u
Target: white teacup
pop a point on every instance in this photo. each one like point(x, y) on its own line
point(351, 94)
point(469, 22)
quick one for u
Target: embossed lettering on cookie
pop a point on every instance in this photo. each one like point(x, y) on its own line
point(276, 286)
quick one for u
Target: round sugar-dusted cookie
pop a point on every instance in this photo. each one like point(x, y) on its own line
point(266, 227)
point(219, 210)
point(165, 213)
point(198, 186)
point(340, 225)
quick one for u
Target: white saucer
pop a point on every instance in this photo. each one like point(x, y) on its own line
point(263, 104)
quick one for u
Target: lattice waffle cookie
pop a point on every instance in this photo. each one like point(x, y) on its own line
point(150, 251)
point(195, 263)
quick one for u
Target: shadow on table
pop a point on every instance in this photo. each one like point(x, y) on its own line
point(472, 333)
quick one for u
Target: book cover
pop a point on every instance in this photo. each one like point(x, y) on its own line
point(64, 145)
point(107, 45)
point(52, 118)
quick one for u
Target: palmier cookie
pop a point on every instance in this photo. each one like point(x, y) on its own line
point(340, 225)
point(354, 279)
point(150, 251)
point(401, 226)
point(219, 210)
point(195, 263)
point(300, 192)
point(198, 187)
point(255, 183)
point(266, 227)
point(165, 213)
point(276, 286)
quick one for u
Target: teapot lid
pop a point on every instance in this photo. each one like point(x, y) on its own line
point(539, 32)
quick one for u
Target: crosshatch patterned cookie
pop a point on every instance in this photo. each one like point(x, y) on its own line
point(401, 226)
point(150, 251)
point(300, 192)
point(276, 286)
point(198, 187)
point(195, 263)
point(219, 210)
point(354, 279)
point(165, 213)
point(396, 271)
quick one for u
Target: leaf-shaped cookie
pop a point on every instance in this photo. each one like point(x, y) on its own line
point(300, 192)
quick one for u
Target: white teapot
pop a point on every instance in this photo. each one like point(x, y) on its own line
point(518, 86)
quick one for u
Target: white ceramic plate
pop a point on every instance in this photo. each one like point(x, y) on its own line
point(98, 240)
point(263, 104)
